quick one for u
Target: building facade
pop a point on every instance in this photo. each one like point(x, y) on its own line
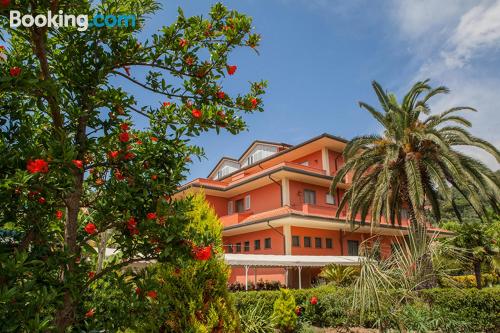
point(275, 199)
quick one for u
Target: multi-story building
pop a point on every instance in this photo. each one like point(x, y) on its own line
point(275, 199)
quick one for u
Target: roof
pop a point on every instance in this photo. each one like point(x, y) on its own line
point(289, 260)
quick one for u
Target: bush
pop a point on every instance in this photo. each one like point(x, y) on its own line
point(261, 285)
point(284, 316)
point(449, 310)
point(469, 281)
point(478, 308)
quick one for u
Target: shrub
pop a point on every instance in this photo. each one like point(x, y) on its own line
point(284, 316)
point(339, 275)
point(261, 285)
point(252, 321)
point(469, 281)
point(478, 308)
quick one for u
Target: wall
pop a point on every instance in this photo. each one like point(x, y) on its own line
point(262, 199)
point(277, 243)
point(314, 159)
point(219, 204)
point(301, 250)
point(297, 200)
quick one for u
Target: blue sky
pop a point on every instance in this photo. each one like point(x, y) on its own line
point(320, 56)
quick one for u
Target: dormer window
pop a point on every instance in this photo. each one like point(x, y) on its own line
point(250, 160)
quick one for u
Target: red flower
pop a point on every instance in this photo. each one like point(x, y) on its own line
point(5, 3)
point(15, 71)
point(124, 126)
point(138, 142)
point(154, 177)
point(90, 313)
point(134, 231)
point(196, 113)
point(254, 102)
point(202, 253)
point(151, 216)
point(91, 275)
point(137, 290)
point(42, 200)
point(124, 137)
point(129, 156)
point(59, 214)
point(127, 70)
point(90, 228)
point(78, 164)
point(165, 104)
point(314, 300)
point(231, 69)
point(152, 294)
point(131, 223)
point(182, 42)
point(221, 94)
point(154, 139)
point(113, 154)
point(118, 175)
point(37, 165)
point(189, 60)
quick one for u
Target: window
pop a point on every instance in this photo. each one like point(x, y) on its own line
point(246, 247)
point(330, 199)
point(240, 206)
point(249, 159)
point(307, 241)
point(352, 247)
point(256, 244)
point(329, 243)
point(247, 202)
point(404, 214)
point(295, 241)
point(238, 247)
point(230, 248)
point(310, 197)
point(318, 243)
point(219, 174)
point(229, 208)
point(267, 243)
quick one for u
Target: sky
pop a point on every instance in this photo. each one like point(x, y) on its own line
point(320, 56)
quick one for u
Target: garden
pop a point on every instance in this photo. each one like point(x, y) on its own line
point(93, 240)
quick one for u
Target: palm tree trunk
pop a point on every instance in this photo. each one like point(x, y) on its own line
point(477, 273)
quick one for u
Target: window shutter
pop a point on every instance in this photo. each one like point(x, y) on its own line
point(247, 202)
point(229, 208)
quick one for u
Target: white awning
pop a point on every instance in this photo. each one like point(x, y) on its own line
point(288, 260)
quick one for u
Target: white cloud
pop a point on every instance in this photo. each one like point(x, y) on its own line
point(445, 37)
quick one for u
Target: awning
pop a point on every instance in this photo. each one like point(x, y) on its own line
point(288, 260)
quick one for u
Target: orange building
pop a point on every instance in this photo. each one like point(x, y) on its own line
point(274, 199)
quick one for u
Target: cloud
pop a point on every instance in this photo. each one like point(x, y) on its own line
point(455, 43)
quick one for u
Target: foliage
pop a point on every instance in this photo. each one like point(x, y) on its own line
point(385, 286)
point(82, 156)
point(284, 317)
point(479, 241)
point(431, 309)
point(252, 320)
point(338, 274)
point(191, 295)
point(411, 163)
point(469, 281)
point(261, 285)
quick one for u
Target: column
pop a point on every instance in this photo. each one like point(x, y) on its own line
point(285, 191)
point(287, 231)
point(325, 160)
point(300, 277)
point(246, 277)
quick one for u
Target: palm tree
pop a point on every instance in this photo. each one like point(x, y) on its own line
point(339, 275)
point(415, 161)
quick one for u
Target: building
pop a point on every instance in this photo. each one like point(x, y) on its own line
point(274, 200)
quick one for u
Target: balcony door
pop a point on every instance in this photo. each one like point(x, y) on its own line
point(240, 206)
point(310, 197)
point(352, 248)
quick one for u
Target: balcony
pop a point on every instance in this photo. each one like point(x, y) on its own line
point(235, 218)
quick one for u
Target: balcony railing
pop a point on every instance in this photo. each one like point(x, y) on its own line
point(235, 218)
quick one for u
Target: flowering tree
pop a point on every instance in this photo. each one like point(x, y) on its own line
point(73, 164)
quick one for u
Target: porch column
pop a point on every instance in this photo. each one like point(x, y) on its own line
point(246, 277)
point(287, 231)
point(255, 275)
point(286, 276)
point(300, 277)
point(285, 191)
point(325, 160)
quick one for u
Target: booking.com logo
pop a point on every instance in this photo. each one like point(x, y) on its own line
point(82, 22)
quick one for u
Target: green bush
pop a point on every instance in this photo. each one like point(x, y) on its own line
point(469, 281)
point(449, 310)
point(284, 316)
point(479, 308)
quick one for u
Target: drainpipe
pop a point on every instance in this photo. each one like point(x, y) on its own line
point(282, 235)
point(277, 183)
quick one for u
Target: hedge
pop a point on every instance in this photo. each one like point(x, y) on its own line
point(452, 310)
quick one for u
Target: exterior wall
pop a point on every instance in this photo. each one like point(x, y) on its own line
point(277, 243)
point(333, 157)
point(219, 204)
point(297, 195)
point(314, 160)
point(262, 199)
point(323, 234)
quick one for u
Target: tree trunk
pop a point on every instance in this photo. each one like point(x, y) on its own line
point(477, 273)
point(101, 250)
point(65, 316)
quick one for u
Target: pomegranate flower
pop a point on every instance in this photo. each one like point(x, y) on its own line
point(90, 228)
point(37, 165)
